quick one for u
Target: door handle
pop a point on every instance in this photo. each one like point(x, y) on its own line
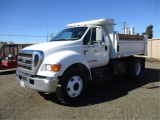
point(106, 48)
point(95, 50)
point(85, 51)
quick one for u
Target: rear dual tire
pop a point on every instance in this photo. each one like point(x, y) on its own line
point(134, 68)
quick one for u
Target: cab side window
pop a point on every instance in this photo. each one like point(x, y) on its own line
point(93, 38)
point(90, 36)
point(87, 38)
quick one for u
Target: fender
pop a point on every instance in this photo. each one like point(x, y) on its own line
point(65, 59)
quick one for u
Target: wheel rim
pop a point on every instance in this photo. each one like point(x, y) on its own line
point(138, 68)
point(74, 86)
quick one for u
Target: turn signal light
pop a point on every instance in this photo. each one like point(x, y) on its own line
point(55, 68)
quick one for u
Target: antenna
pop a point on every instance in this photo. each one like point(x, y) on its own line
point(47, 32)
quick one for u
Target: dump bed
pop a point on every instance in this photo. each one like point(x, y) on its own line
point(127, 45)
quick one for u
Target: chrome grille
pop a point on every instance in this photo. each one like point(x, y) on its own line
point(29, 61)
point(25, 55)
point(24, 67)
point(25, 61)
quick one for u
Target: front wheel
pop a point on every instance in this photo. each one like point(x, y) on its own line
point(72, 86)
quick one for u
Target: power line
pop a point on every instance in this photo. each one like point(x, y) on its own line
point(31, 24)
point(22, 35)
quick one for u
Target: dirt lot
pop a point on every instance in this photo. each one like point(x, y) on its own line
point(117, 99)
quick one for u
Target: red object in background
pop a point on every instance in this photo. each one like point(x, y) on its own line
point(9, 64)
point(8, 56)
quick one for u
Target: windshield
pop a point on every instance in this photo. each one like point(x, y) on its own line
point(70, 34)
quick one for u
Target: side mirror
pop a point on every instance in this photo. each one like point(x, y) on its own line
point(98, 34)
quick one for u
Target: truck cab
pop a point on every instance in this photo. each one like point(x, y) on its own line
point(75, 57)
point(92, 41)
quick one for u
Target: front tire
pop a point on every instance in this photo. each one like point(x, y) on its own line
point(72, 86)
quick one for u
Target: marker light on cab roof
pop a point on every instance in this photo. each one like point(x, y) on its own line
point(77, 25)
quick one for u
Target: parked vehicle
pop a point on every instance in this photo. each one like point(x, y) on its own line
point(8, 56)
point(79, 54)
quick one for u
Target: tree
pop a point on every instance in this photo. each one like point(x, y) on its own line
point(6, 42)
point(149, 31)
point(143, 34)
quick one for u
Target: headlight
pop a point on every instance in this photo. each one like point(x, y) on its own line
point(48, 67)
point(54, 68)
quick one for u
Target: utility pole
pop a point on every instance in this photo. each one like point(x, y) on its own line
point(47, 32)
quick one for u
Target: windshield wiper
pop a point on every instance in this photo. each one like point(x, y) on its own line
point(74, 38)
point(60, 40)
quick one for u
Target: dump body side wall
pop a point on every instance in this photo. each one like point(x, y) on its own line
point(127, 45)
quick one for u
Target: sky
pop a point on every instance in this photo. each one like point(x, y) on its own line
point(33, 21)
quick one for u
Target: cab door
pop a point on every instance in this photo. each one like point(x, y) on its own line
point(95, 52)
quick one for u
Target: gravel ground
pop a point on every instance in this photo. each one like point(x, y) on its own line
point(117, 99)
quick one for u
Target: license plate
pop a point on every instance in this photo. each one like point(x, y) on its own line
point(22, 84)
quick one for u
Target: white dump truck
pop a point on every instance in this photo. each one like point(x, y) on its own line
point(81, 53)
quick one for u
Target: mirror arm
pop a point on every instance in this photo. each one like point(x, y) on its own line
point(93, 42)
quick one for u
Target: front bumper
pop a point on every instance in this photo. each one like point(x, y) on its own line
point(38, 83)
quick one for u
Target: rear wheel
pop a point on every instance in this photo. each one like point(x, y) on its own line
point(135, 68)
point(73, 85)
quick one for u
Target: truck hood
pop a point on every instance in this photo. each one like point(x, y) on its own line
point(53, 46)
